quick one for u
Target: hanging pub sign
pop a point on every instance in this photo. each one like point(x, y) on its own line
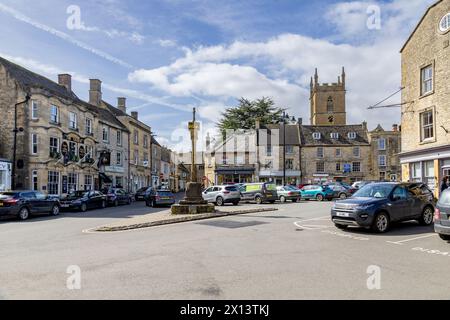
point(81, 152)
point(105, 158)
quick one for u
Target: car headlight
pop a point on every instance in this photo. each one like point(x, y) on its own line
point(364, 207)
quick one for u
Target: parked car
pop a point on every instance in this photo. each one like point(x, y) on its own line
point(22, 204)
point(359, 184)
point(156, 198)
point(288, 193)
point(84, 200)
point(317, 192)
point(259, 192)
point(340, 191)
point(142, 193)
point(118, 196)
point(442, 216)
point(377, 205)
point(300, 186)
point(220, 195)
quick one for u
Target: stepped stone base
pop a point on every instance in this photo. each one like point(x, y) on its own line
point(179, 209)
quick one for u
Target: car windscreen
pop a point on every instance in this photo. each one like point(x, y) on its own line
point(233, 188)
point(444, 200)
point(375, 191)
point(271, 187)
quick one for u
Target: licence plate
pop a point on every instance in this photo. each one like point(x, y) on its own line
point(343, 214)
point(165, 198)
point(64, 205)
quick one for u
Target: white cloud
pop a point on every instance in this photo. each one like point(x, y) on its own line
point(167, 43)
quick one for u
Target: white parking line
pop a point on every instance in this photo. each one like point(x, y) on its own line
point(412, 239)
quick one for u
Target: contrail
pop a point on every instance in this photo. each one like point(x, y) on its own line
point(21, 17)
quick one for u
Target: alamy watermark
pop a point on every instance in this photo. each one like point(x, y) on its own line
point(374, 17)
point(73, 281)
point(374, 280)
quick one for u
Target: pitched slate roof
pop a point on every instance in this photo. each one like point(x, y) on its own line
point(155, 142)
point(28, 79)
point(326, 131)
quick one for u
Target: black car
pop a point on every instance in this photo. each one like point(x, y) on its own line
point(159, 198)
point(25, 203)
point(118, 196)
point(376, 205)
point(142, 193)
point(84, 200)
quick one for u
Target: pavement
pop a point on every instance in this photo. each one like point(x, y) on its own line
point(293, 253)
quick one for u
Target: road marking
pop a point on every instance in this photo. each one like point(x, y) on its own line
point(412, 239)
point(310, 226)
point(345, 235)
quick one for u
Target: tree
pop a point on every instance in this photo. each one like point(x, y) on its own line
point(244, 115)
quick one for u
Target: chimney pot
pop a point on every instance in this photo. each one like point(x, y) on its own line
point(395, 127)
point(122, 104)
point(135, 115)
point(65, 80)
point(95, 92)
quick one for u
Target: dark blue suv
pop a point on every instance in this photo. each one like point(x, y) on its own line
point(377, 205)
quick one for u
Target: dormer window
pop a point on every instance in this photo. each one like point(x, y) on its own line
point(334, 135)
point(316, 135)
point(352, 135)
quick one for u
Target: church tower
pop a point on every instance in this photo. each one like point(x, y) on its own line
point(328, 102)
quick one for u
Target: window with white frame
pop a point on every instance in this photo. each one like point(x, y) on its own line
point(34, 110)
point(356, 152)
point(54, 146)
point(269, 151)
point(54, 114)
point(34, 176)
point(316, 135)
point(427, 125)
point(88, 126)
point(356, 167)
point(119, 159)
point(320, 152)
point(72, 120)
point(320, 167)
point(34, 143)
point(444, 24)
point(352, 135)
point(136, 137)
point(382, 161)
point(119, 137)
point(145, 141)
point(426, 79)
point(72, 181)
point(53, 183)
point(289, 149)
point(88, 185)
point(382, 144)
point(136, 157)
point(416, 171)
point(334, 135)
point(105, 134)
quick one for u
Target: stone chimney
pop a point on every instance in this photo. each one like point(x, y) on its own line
point(65, 80)
point(135, 115)
point(122, 104)
point(95, 92)
point(395, 127)
point(364, 125)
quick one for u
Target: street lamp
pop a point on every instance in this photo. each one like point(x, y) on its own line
point(16, 130)
point(285, 118)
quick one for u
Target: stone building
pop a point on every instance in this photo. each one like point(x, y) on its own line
point(425, 56)
point(156, 163)
point(385, 149)
point(113, 141)
point(272, 149)
point(165, 167)
point(56, 138)
point(139, 150)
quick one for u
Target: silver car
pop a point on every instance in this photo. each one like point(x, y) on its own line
point(220, 195)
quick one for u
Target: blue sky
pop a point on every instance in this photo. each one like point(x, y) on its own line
point(168, 56)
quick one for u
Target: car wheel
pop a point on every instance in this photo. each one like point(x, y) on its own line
point(381, 223)
point(24, 214)
point(116, 203)
point(55, 211)
point(83, 207)
point(220, 202)
point(341, 226)
point(427, 217)
point(283, 199)
point(258, 200)
point(343, 196)
point(445, 237)
point(319, 197)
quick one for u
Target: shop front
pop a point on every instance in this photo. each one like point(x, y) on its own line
point(228, 175)
point(276, 176)
point(5, 175)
